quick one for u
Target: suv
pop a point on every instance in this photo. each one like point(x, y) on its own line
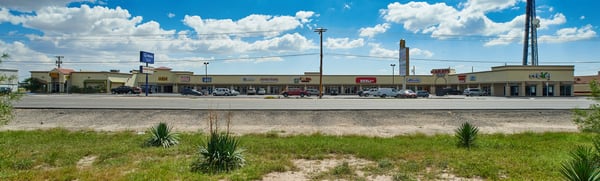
point(312, 92)
point(125, 90)
point(251, 91)
point(472, 92)
point(384, 92)
point(367, 93)
point(295, 92)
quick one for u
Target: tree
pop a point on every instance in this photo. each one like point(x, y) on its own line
point(34, 84)
point(6, 99)
point(589, 120)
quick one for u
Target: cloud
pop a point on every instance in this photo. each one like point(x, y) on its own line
point(372, 31)
point(170, 15)
point(468, 19)
point(347, 6)
point(582, 17)
point(32, 5)
point(378, 51)
point(570, 34)
point(343, 43)
point(417, 52)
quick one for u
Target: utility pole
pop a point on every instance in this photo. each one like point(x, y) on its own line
point(58, 61)
point(320, 31)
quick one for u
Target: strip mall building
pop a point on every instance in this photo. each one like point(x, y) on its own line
point(556, 80)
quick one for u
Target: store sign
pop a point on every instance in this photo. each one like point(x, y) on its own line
point(54, 75)
point(472, 78)
point(413, 80)
point(163, 78)
point(305, 79)
point(146, 57)
point(541, 75)
point(184, 79)
point(440, 71)
point(461, 78)
point(206, 79)
point(366, 80)
point(269, 80)
point(248, 79)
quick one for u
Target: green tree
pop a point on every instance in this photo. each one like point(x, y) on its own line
point(589, 120)
point(34, 84)
point(6, 100)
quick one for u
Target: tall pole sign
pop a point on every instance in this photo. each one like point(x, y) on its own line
point(148, 58)
point(403, 59)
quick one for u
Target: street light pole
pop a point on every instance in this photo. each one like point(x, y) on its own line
point(320, 31)
point(393, 76)
point(205, 79)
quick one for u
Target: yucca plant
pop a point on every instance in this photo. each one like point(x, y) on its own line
point(162, 136)
point(583, 165)
point(221, 152)
point(466, 135)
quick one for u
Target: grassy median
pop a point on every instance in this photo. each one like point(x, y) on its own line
point(86, 155)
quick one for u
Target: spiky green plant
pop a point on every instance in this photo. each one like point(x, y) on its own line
point(466, 135)
point(162, 136)
point(583, 165)
point(221, 153)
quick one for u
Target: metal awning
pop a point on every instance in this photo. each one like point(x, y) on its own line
point(117, 79)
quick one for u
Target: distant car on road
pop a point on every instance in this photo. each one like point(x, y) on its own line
point(385, 92)
point(188, 91)
point(294, 92)
point(261, 91)
point(448, 91)
point(422, 93)
point(225, 92)
point(472, 92)
point(125, 90)
point(406, 93)
point(312, 92)
point(251, 91)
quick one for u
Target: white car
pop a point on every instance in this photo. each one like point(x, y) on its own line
point(261, 91)
point(225, 92)
point(385, 92)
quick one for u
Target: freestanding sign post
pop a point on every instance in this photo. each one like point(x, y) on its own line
point(148, 58)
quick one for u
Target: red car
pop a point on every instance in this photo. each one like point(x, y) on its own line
point(295, 92)
point(406, 93)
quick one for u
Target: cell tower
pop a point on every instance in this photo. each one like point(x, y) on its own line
point(531, 25)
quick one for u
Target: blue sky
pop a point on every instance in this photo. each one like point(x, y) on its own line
point(277, 37)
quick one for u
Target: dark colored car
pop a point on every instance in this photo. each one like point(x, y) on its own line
point(188, 91)
point(448, 91)
point(125, 90)
point(5, 90)
point(406, 93)
point(295, 92)
point(422, 93)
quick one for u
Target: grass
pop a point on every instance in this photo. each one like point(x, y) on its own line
point(54, 155)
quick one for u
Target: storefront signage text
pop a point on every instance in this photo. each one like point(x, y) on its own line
point(366, 80)
point(413, 80)
point(440, 71)
point(184, 78)
point(163, 78)
point(248, 79)
point(461, 78)
point(269, 80)
point(541, 75)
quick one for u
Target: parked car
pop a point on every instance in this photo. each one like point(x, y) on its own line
point(312, 92)
point(251, 91)
point(422, 93)
point(5, 90)
point(472, 92)
point(188, 91)
point(125, 90)
point(225, 92)
point(368, 92)
point(448, 91)
point(406, 93)
point(385, 92)
point(261, 91)
point(294, 92)
point(334, 92)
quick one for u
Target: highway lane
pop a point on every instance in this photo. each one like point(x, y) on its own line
point(175, 101)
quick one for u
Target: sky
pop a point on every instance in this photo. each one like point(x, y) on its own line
point(266, 37)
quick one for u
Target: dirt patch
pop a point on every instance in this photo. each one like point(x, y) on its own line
point(86, 162)
point(382, 123)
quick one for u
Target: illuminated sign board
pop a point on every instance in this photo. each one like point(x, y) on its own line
point(366, 80)
point(146, 57)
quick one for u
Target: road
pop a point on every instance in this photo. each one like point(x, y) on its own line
point(175, 101)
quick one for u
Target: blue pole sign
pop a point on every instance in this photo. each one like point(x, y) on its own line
point(146, 57)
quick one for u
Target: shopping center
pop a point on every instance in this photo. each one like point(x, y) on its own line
point(510, 80)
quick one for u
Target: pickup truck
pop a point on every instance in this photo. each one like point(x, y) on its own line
point(295, 92)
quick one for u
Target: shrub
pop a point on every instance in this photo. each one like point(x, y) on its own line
point(466, 135)
point(162, 136)
point(589, 120)
point(582, 166)
point(221, 152)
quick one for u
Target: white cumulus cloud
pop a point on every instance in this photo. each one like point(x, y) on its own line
point(372, 31)
point(343, 43)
